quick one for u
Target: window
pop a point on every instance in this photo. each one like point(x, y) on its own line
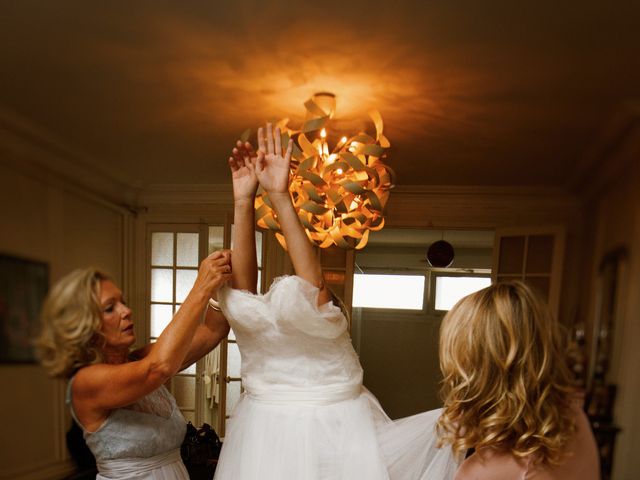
point(173, 271)
point(449, 287)
point(208, 390)
point(404, 292)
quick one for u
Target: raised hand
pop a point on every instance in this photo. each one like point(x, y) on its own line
point(243, 173)
point(214, 271)
point(272, 168)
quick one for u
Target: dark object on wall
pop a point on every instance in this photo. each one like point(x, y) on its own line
point(200, 451)
point(23, 286)
point(440, 254)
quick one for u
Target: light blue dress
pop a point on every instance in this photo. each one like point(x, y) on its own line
point(140, 441)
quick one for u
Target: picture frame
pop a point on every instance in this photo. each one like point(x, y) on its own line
point(23, 286)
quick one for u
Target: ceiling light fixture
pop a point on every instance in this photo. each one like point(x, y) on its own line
point(339, 191)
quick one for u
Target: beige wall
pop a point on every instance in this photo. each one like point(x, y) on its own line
point(43, 220)
point(615, 222)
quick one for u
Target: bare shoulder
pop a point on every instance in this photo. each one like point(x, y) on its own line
point(83, 400)
point(489, 465)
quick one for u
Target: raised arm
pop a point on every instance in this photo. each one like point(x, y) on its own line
point(272, 170)
point(207, 337)
point(102, 387)
point(245, 184)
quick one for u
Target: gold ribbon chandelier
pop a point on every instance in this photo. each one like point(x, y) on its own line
point(338, 192)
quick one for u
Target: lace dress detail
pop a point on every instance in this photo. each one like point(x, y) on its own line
point(158, 403)
point(142, 437)
point(304, 413)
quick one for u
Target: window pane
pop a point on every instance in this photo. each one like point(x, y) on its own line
point(233, 360)
point(216, 238)
point(511, 254)
point(259, 248)
point(190, 369)
point(388, 291)
point(160, 317)
point(184, 281)
point(259, 286)
point(232, 335)
point(162, 249)
point(451, 289)
point(184, 390)
point(161, 285)
point(187, 251)
point(233, 395)
point(540, 254)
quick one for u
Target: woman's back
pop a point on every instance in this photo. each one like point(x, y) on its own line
point(580, 463)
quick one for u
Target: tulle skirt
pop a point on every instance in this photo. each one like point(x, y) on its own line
point(349, 439)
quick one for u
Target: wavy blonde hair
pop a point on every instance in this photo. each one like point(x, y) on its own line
point(71, 319)
point(506, 384)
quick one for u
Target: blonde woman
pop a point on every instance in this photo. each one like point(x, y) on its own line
point(507, 392)
point(129, 419)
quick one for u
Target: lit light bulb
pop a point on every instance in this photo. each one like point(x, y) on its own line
point(323, 133)
point(339, 171)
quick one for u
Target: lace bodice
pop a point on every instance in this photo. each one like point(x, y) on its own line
point(151, 426)
point(286, 341)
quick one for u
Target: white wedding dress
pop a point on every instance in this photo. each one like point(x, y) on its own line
point(304, 414)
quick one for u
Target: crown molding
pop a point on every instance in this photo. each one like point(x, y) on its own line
point(610, 154)
point(481, 190)
point(185, 194)
point(482, 207)
point(31, 150)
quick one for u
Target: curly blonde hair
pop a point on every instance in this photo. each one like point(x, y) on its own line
point(71, 319)
point(506, 384)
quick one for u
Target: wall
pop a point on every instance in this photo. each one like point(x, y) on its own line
point(49, 221)
point(613, 207)
point(399, 349)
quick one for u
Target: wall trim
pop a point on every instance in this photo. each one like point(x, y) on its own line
point(479, 207)
point(612, 152)
point(185, 194)
point(32, 151)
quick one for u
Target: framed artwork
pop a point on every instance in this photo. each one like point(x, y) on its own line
point(23, 286)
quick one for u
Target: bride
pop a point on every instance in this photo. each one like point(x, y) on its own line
point(304, 413)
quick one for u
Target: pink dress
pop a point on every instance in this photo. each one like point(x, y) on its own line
point(581, 463)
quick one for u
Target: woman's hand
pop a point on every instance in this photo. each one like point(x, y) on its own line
point(214, 272)
point(272, 169)
point(242, 163)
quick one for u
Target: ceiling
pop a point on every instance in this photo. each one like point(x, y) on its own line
point(496, 93)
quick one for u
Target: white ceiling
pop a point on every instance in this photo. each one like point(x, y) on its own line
point(472, 93)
